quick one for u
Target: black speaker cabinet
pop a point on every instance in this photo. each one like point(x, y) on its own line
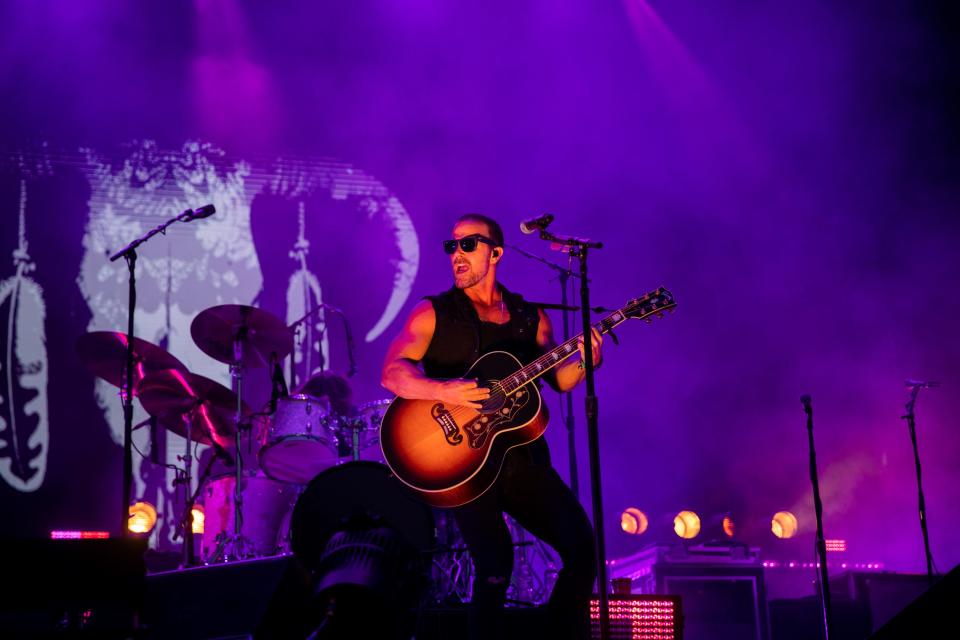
point(722, 588)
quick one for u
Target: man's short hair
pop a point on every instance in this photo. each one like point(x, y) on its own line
point(496, 233)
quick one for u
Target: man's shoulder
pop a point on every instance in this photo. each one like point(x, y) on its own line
point(444, 303)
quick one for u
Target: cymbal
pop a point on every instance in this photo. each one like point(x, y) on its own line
point(258, 332)
point(104, 354)
point(182, 401)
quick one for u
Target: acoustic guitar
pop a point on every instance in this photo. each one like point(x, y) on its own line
point(450, 455)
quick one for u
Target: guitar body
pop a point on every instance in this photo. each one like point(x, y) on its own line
point(449, 456)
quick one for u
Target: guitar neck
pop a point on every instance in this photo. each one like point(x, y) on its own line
point(555, 356)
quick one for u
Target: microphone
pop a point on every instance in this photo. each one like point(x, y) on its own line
point(805, 400)
point(922, 384)
point(203, 212)
point(536, 224)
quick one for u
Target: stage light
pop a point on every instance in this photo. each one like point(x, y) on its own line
point(633, 521)
point(198, 518)
point(79, 535)
point(143, 517)
point(784, 524)
point(729, 526)
point(364, 540)
point(686, 524)
point(836, 546)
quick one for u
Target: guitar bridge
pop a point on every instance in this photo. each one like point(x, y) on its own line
point(449, 426)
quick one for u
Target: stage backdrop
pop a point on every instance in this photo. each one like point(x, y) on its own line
point(790, 172)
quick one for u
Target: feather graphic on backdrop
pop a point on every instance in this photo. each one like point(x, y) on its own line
point(24, 427)
point(312, 349)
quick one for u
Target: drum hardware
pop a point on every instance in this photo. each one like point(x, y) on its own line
point(185, 525)
point(242, 337)
point(196, 408)
point(357, 433)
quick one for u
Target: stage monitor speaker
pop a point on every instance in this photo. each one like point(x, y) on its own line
point(227, 600)
point(882, 595)
point(722, 587)
point(62, 587)
point(933, 615)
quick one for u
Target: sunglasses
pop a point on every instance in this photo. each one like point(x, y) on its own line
point(468, 244)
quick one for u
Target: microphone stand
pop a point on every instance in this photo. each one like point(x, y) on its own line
point(564, 275)
point(912, 426)
point(129, 253)
point(825, 606)
point(579, 248)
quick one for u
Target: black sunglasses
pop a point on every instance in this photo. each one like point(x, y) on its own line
point(467, 243)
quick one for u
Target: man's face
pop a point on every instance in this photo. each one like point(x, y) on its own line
point(470, 268)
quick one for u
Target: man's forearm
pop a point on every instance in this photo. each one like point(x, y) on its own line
point(403, 378)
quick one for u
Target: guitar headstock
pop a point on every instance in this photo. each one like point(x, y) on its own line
point(651, 304)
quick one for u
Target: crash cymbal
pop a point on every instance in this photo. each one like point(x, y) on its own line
point(260, 334)
point(182, 401)
point(104, 354)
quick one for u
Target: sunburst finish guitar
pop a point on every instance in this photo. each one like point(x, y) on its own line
point(450, 455)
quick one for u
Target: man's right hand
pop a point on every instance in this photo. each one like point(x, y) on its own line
point(460, 392)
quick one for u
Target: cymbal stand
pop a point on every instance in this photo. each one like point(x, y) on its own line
point(187, 519)
point(235, 546)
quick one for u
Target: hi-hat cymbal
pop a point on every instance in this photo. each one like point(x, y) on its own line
point(258, 334)
point(183, 401)
point(104, 354)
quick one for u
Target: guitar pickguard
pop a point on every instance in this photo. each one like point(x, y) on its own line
point(479, 429)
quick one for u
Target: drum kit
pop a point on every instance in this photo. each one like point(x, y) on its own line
point(298, 436)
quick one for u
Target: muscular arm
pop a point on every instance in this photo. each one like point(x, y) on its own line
point(402, 376)
point(567, 375)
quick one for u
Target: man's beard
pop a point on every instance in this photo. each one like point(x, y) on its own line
point(467, 280)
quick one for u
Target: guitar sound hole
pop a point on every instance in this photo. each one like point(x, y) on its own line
point(494, 403)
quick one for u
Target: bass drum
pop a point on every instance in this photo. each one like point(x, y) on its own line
point(266, 504)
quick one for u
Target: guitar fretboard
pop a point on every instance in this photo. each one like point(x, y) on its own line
point(556, 355)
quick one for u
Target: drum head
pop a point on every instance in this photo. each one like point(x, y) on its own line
point(356, 490)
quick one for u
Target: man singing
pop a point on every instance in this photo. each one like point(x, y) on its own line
point(445, 334)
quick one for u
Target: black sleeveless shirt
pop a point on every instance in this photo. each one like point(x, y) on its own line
point(460, 337)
